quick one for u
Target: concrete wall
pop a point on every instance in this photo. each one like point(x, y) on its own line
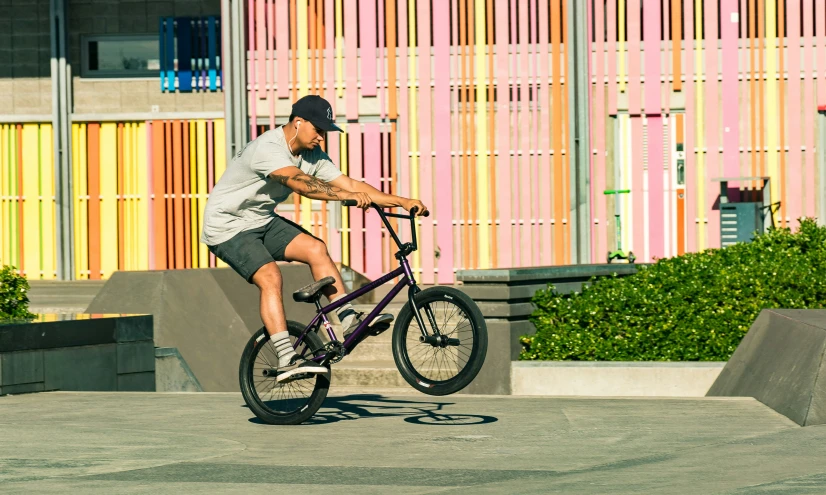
point(25, 80)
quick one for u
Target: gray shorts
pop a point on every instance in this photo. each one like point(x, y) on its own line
point(251, 249)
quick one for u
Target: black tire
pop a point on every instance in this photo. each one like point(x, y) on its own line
point(450, 368)
point(288, 404)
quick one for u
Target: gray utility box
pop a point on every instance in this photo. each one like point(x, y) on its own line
point(739, 221)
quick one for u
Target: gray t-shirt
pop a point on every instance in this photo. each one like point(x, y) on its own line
point(245, 196)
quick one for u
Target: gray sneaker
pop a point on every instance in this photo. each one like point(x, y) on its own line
point(379, 324)
point(298, 369)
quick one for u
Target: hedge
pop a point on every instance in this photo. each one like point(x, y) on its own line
point(695, 307)
point(14, 301)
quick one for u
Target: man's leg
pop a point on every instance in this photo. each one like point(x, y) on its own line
point(311, 251)
point(269, 282)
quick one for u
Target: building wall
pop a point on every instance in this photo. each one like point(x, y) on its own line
point(25, 87)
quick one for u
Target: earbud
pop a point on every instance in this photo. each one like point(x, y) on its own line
point(297, 124)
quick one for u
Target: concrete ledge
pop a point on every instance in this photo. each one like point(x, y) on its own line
point(614, 379)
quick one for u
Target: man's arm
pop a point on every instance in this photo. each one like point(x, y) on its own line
point(378, 197)
point(314, 188)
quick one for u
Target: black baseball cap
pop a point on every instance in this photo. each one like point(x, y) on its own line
point(317, 110)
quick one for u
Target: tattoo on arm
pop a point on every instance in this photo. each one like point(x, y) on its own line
point(307, 184)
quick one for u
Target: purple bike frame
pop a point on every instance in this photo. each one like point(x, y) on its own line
point(352, 341)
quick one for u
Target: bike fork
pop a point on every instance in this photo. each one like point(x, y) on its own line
point(411, 296)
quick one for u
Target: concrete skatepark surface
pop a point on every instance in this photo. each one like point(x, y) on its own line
point(75, 442)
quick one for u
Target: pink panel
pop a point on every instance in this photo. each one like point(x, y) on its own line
point(690, 161)
point(372, 222)
point(513, 52)
point(794, 188)
point(528, 239)
point(150, 210)
point(542, 163)
point(443, 208)
point(599, 245)
point(712, 119)
point(653, 96)
point(282, 46)
point(354, 170)
point(261, 44)
point(425, 140)
point(656, 184)
point(404, 123)
point(270, 55)
point(351, 59)
point(637, 194)
point(820, 42)
point(367, 19)
point(731, 86)
point(503, 145)
point(612, 57)
point(633, 45)
point(329, 84)
point(253, 93)
point(382, 57)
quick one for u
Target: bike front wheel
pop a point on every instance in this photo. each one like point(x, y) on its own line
point(281, 403)
point(448, 353)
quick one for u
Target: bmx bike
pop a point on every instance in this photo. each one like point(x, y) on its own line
point(439, 341)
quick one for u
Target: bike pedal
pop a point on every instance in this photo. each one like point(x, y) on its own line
point(378, 329)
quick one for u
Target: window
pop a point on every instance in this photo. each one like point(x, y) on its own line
point(120, 56)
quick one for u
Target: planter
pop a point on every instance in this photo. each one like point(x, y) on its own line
point(614, 378)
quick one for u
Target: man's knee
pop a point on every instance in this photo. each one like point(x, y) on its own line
point(317, 252)
point(268, 277)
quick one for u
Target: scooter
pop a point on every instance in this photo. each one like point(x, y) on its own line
point(618, 255)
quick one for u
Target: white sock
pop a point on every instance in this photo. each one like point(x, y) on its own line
point(346, 314)
point(283, 348)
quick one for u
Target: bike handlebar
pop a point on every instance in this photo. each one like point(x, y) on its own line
point(404, 248)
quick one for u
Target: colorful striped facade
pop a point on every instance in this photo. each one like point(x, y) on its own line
point(465, 104)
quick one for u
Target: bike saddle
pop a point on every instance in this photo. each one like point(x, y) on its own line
point(311, 292)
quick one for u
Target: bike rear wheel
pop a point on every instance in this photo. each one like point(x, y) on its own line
point(457, 345)
point(278, 403)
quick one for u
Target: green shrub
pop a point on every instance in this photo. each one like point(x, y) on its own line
point(695, 307)
point(14, 303)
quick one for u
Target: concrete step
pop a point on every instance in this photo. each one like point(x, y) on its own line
point(62, 296)
point(373, 374)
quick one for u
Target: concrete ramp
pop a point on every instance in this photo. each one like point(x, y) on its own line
point(780, 362)
point(207, 314)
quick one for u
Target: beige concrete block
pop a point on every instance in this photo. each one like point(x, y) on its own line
point(189, 102)
point(134, 96)
point(213, 102)
point(6, 104)
point(165, 101)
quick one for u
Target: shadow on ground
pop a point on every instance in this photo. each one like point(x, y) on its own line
point(366, 406)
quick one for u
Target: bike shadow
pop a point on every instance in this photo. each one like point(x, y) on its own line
point(364, 406)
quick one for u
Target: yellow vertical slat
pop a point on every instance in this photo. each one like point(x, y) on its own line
point(14, 200)
point(47, 204)
point(129, 184)
point(82, 234)
point(76, 195)
point(345, 213)
point(203, 252)
point(142, 190)
point(193, 192)
point(481, 137)
point(4, 194)
point(302, 40)
point(414, 136)
point(132, 247)
point(699, 116)
point(108, 201)
point(339, 50)
point(31, 201)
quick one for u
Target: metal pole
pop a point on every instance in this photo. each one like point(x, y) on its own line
point(226, 70)
point(821, 166)
point(61, 98)
point(579, 157)
point(239, 61)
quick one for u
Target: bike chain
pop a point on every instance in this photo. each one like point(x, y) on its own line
point(336, 349)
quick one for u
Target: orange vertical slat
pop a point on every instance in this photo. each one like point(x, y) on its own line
point(474, 213)
point(93, 159)
point(169, 197)
point(781, 35)
point(676, 44)
point(187, 223)
point(463, 101)
point(559, 185)
point(177, 194)
point(494, 254)
point(158, 189)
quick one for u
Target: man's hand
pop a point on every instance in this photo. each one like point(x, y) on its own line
point(363, 199)
point(409, 204)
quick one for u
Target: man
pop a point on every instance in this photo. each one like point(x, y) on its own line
point(242, 229)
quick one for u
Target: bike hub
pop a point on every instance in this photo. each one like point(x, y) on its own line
point(438, 340)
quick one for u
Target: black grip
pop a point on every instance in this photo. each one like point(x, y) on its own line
point(415, 209)
point(349, 202)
